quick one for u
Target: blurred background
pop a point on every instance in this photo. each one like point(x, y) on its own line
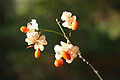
point(98, 37)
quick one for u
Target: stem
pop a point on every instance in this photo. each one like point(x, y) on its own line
point(51, 31)
point(83, 59)
point(90, 65)
point(70, 33)
point(63, 31)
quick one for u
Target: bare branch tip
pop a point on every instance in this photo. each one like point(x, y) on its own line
point(56, 20)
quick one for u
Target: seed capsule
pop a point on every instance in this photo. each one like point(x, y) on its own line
point(66, 55)
point(74, 25)
point(58, 62)
point(37, 53)
point(24, 29)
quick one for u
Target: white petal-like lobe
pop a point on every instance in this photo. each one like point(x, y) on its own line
point(42, 40)
point(66, 47)
point(68, 19)
point(69, 61)
point(66, 15)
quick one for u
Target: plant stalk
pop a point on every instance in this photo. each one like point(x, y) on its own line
point(91, 66)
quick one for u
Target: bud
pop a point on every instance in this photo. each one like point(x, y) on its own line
point(74, 25)
point(58, 62)
point(66, 55)
point(24, 29)
point(37, 53)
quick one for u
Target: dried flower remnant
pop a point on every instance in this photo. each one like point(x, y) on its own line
point(38, 42)
point(67, 51)
point(69, 20)
point(33, 37)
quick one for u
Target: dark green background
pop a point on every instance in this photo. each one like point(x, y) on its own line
point(98, 37)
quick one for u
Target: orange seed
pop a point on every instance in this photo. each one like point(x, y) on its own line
point(58, 62)
point(74, 25)
point(24, 29)
point(37, 53)
point(66, 55)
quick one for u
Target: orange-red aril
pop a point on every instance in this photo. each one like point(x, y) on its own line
point(74, 25)
point(58, 62)
point(66, 55)
point(24, 29)
point(37, 53)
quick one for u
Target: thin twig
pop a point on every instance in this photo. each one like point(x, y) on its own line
point(63, 31)
point(70, 33)
point(51, 31)
point(83, 59)
point(90, 65)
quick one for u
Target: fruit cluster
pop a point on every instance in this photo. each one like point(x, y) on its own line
point(66, 50)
